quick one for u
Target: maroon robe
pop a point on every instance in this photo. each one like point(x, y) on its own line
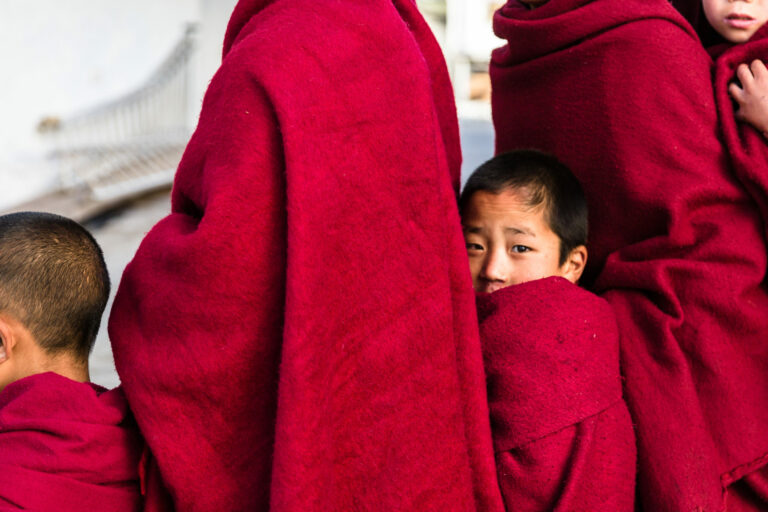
point(746, 146)
point(300, 332)
point(620, 90)
point(748, 149)
point(67, 446)
point(561, 431)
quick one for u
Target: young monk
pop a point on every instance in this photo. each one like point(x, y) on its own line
point(741, 88)
point(741, 91)
point(305, 307)
point(676, 244)
point(65, 444)
point(562, 433)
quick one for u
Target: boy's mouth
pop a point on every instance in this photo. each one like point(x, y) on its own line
point(491, 287)
point(738, 20)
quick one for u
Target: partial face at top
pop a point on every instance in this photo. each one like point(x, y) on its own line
point(736, 20)
point(509, 242)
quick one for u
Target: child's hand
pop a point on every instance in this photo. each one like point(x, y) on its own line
point(752, 96)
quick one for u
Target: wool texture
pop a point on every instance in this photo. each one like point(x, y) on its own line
point(621, 91)
point(67, 446)
point(157, 498)
point(748, 487)
point(300, 332)
point(746, 146)
point(562, 434)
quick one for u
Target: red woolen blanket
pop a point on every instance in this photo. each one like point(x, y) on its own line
point(621, 91)
point(561, 431)
point(68, 447)
point(746, 146)
point(300, 332)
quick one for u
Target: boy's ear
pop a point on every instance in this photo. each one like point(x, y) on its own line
point(574, 265)
point(7, 340)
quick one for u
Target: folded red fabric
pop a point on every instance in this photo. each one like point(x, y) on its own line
point(67, 446)
point(676, 243)
point(748, 150)
point(746, 146)
point(562, 433)
point(300, 332)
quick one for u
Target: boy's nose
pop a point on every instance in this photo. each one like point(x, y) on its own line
point(496, 267)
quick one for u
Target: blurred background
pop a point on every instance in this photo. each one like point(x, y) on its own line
point(99, 98)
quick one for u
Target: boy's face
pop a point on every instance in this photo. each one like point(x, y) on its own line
point(736, 20)
point(510, 242)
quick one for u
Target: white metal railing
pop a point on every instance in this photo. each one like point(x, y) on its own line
point(134, 142)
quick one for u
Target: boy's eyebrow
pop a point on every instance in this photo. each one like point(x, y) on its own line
point(476, 230)
point(519, 231)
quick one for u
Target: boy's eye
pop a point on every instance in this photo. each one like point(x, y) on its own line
point(474, 247)
point(520, 248)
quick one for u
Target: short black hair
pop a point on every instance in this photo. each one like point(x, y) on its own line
point(53, 280)
point(548, 181)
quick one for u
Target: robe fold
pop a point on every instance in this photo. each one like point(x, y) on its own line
point(621, 92)
point(748, 150)
point(747, 147)
point(67, 446)
point(300, 332)
point(561, 431)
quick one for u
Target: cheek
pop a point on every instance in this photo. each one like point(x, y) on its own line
point(526, 269)
point(539, 271)
point(544, 267)
point(711, 13)
point(475, 264)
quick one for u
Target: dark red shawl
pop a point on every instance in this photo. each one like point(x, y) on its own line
point(621, 91)
point(748, 150)
point(561, 431)
point(299, 333)
point(746, 146)
point(67, 446)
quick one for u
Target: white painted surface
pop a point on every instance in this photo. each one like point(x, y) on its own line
point(469, 31)
point(58, 58)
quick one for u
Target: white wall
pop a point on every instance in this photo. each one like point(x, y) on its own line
point(60, 57)
point(469, 28)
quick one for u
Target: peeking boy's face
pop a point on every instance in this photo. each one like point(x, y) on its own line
point(736, 20)
point(510, 242)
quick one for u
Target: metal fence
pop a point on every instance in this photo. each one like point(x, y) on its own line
point(134, 143)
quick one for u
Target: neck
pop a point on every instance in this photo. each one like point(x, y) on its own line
point(78, 373)
point(65, 365)
point(21, 356)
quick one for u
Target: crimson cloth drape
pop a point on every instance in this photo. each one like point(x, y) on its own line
point(300, 332)
point(621, 91)
point(67, 446)
point(562, 434)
